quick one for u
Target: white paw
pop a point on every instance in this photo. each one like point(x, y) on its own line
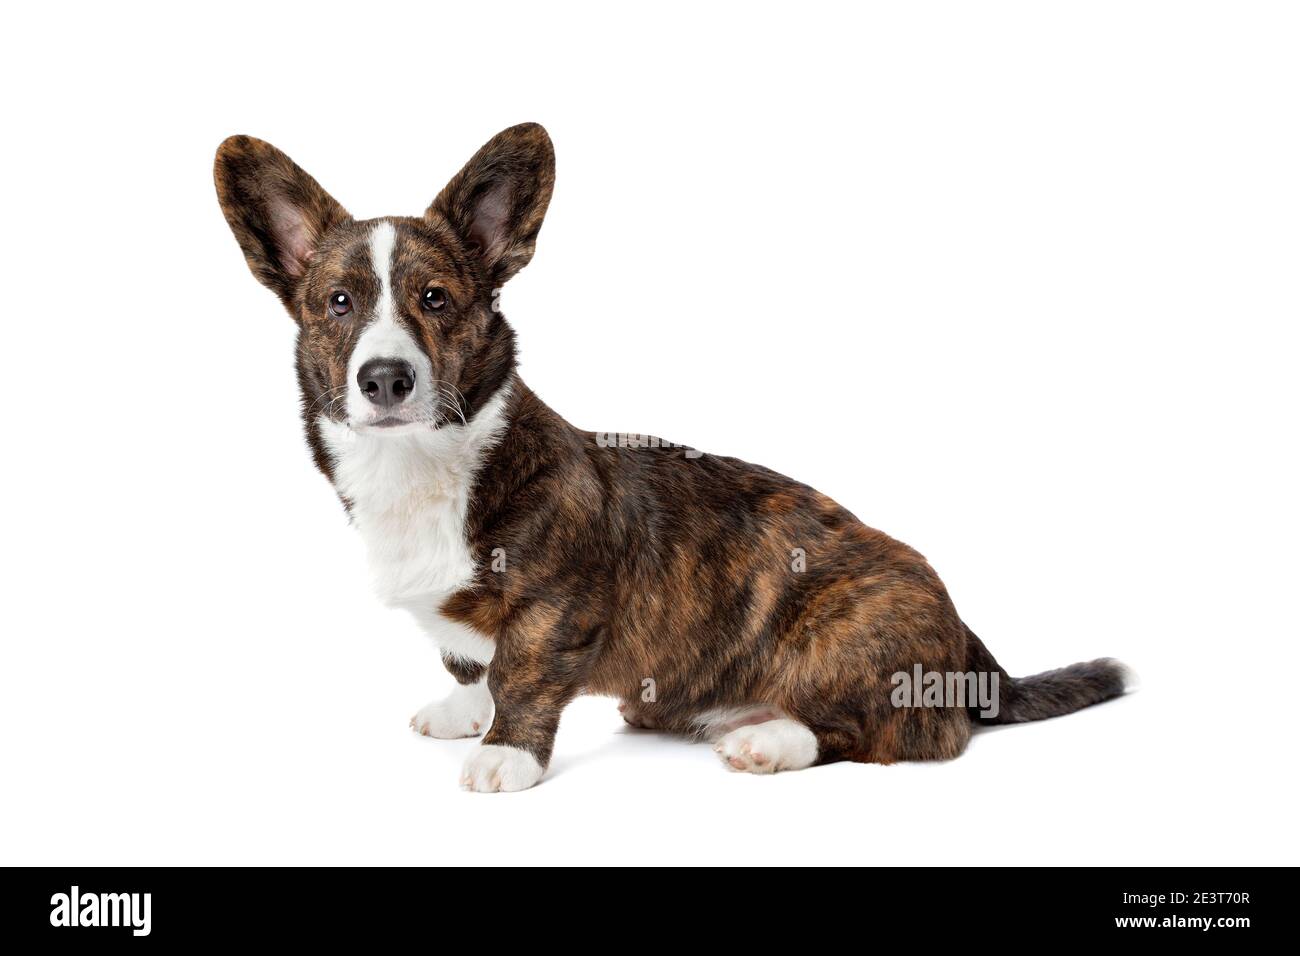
point(768, 747)
point(467, 712)
point(493, 768)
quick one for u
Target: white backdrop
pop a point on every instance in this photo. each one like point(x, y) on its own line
point(1014, 282)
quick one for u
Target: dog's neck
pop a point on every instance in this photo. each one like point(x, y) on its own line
point(409, 495)
point(375, 472)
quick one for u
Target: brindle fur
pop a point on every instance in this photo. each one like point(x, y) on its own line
point(465, 672)
point(624, 563)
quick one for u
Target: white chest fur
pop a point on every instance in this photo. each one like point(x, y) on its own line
point(410, 497)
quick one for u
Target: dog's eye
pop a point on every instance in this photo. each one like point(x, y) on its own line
point(340, 304)
point(434, 300)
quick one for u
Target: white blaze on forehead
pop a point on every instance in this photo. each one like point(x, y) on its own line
point(382, 241)
point(385, 338)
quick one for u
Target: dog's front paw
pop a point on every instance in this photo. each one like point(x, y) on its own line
point(493, 768)
point(467, 712)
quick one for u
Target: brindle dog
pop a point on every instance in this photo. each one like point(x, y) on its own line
point(712, 596)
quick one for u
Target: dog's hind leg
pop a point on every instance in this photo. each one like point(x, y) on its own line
point(768, 747)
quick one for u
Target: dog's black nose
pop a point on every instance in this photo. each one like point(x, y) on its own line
point(386, 382)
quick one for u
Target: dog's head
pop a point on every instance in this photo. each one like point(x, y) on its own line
point(398, 328)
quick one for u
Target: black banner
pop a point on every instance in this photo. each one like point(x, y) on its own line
point(135, 907)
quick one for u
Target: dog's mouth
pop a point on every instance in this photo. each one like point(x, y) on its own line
point(391, 424)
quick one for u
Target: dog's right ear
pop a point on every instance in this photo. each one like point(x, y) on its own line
point(277, 212)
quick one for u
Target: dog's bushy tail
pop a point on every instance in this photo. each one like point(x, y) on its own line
point(1049, 694)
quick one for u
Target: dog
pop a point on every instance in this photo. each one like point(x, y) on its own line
point(715, 598)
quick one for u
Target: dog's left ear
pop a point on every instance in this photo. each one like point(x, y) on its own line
point(497, 202)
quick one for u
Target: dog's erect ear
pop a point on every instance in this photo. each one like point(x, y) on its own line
point(276, 211)
point(498, 200)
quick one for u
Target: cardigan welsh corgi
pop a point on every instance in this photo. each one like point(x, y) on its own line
point(713, 597)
